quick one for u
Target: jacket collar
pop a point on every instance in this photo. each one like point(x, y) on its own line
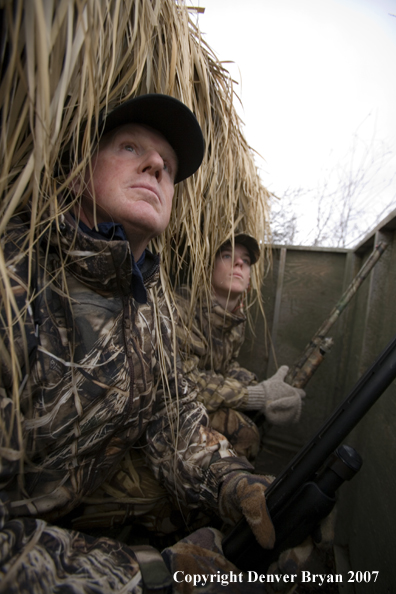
point(104, 265)
point(222, 318)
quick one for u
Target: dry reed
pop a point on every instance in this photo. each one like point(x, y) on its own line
point(63, 62)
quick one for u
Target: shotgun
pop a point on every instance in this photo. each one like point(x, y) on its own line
point(299, 373)
point(304, 492)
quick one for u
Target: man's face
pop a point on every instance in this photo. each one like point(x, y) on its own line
point(231, 272)
point(132, 183)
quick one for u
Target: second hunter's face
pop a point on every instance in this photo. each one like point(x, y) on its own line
point(231, 272)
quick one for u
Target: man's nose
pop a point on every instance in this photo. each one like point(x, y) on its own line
point(238, 261)
point(152, 163)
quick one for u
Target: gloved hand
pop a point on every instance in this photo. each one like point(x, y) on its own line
point(323, 535)
point(200, 557)
point(279, 402)
point(310, 555)
point(243, 493)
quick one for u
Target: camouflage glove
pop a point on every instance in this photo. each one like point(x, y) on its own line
point(279, 402)
point(200, 557)
point(310, 555)
point(243, 493)
point(291, 561)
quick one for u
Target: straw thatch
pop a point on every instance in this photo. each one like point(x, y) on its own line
point(63, 62)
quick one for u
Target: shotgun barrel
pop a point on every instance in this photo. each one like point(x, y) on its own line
point(240, 545)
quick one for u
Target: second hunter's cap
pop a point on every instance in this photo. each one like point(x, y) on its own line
point(249, 242)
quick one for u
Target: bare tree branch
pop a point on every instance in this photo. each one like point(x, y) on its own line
point(352, 198)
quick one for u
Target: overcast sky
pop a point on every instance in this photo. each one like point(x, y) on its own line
point(312, 74)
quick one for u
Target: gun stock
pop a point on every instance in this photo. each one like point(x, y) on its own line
point(313, 355)
point(304, 492)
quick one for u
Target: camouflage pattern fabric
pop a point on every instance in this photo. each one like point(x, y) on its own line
point(215, 339)
point(244, 493)
point(135, 494)
point(95, 387)
point(201, 555)
point(240, 430)
point(209, 351)
point(37, 558)
point(133, 491)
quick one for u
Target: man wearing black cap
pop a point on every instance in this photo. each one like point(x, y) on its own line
point(102, 377)
point(149, 144)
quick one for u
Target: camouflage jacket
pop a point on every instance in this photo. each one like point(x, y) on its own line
point(103, 378)
point(210, 347)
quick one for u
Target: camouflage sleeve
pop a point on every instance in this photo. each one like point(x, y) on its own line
point(184, 452)
point(15, 361)
point(240, 374)
point(215, 390)
point(10, 450)
point(190, 457)
point(36, 557)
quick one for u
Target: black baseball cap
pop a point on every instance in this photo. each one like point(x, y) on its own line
point(172, 118)
point(250, 244)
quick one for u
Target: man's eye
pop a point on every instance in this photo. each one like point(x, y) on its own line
point(247, 262)
point(168, 167)
point(129, 147)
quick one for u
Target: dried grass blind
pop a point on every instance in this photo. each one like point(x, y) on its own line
point(65, 61)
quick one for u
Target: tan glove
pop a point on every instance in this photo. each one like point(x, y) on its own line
point(200, 558)
point(279, 402)
point(243, 493)
point(310, 555)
